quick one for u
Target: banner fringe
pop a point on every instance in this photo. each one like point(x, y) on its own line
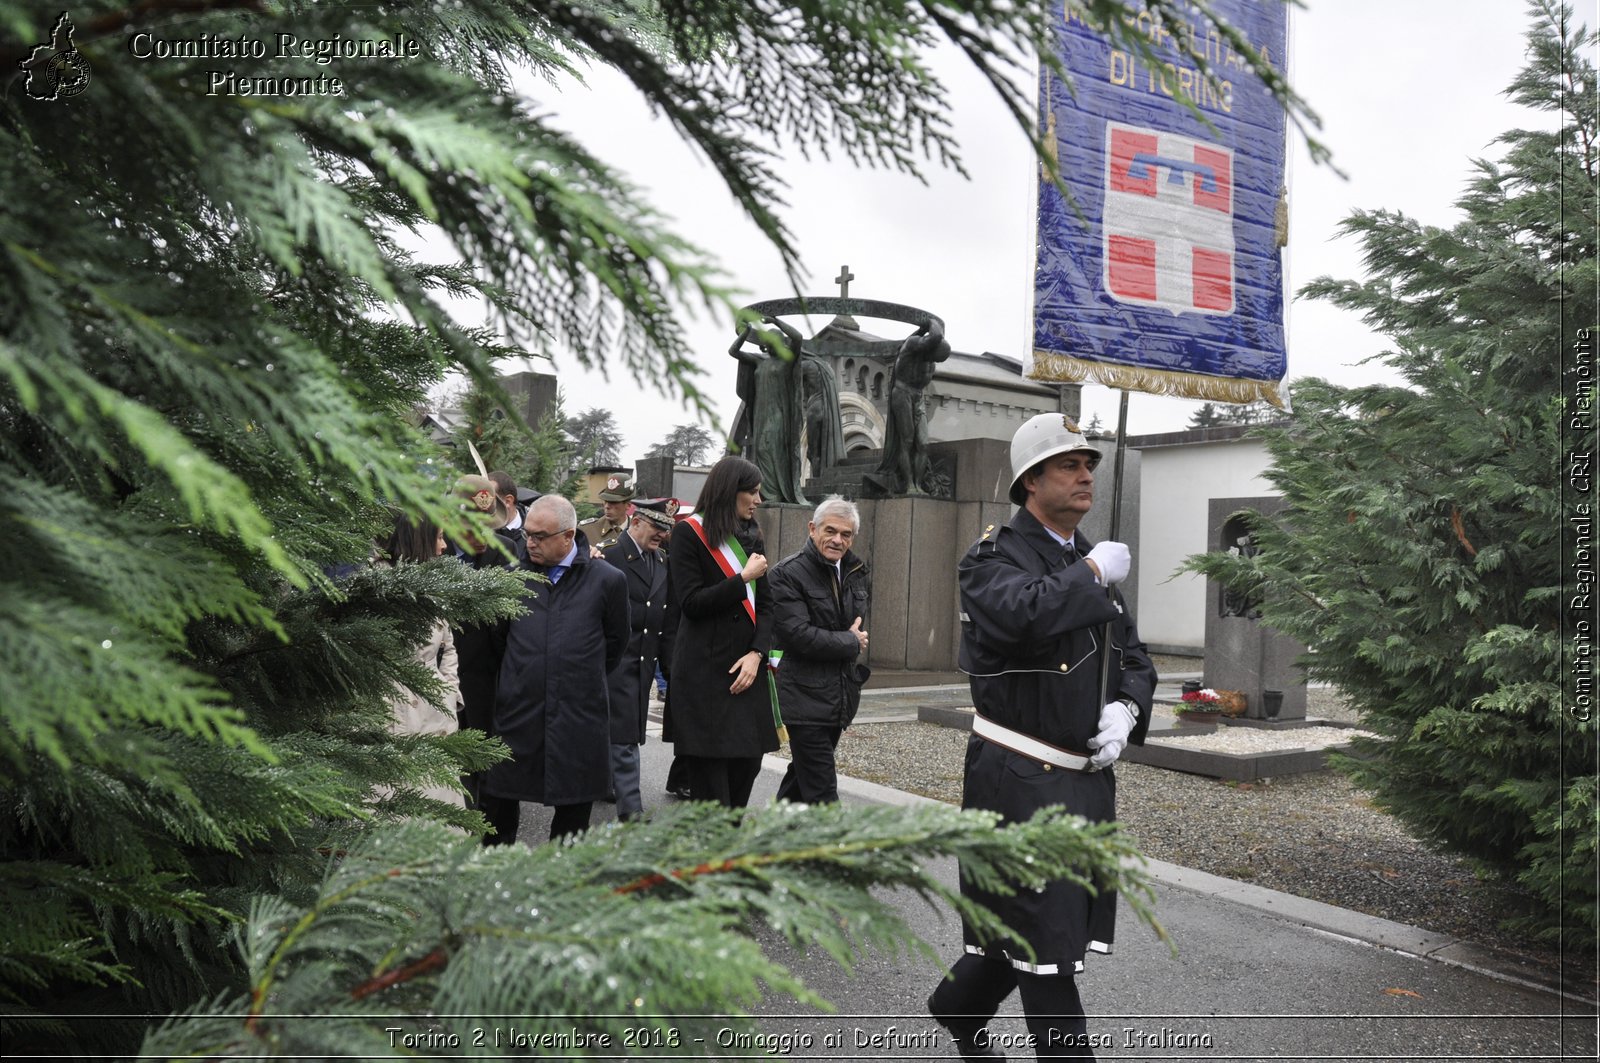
point(1063, 369)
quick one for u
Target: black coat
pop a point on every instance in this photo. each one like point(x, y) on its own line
point(703, 719)
point(819, 680)
point(1030, 640)
point(652, 616)
point(551, 707)
point(480, 647)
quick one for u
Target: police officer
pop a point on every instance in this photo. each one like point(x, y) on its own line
point(652, 619)
point(1037, 599)
point(604, 530)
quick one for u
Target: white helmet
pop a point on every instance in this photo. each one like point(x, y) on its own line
point(1041, 437)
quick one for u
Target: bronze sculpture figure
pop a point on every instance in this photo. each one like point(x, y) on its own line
point(904, 468)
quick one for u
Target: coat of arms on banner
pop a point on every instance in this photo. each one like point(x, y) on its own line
point(1168, 221)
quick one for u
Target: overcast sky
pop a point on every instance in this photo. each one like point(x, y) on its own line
point(1408, 90)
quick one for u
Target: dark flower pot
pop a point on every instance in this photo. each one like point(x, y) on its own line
point(1271, 703)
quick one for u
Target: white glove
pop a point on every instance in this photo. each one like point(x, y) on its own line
point(1112, 559)
point(1116, 723)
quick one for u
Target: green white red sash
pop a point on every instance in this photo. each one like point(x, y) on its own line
point(731, 559)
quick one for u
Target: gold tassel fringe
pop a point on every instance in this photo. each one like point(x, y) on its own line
point(1060, 369)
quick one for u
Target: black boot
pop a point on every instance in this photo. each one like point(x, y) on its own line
point(971, 1036)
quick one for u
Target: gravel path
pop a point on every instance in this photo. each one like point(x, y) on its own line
point(1313, 835)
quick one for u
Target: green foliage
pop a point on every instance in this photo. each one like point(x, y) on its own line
point(212, 328)
point(1419, 556)
point(686, 444)
point(597, 437)
point(540, 457)
point(557, 466)
point(599, 936)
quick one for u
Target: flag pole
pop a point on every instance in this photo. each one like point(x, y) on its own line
point(1112, 535)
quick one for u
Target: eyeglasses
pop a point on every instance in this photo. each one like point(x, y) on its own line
point(539, 537)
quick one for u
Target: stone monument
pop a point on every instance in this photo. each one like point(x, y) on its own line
point(1242, 653)
point(789, 410)
point(927, 486)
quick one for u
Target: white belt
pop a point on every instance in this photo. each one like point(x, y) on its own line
point(1027, 745)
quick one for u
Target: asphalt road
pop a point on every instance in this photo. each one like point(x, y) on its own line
point(1257, 975)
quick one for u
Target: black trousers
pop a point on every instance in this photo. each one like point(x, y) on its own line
point(505, 816)
point(812, 776)
point(968, 999)
point(725, 780)
point(678, 777)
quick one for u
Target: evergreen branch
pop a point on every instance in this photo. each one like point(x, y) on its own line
point(433, 961)
point(1420, 563)
point(261, 989)
point(406, 886)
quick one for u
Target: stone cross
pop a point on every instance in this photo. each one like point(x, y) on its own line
point(844, 278)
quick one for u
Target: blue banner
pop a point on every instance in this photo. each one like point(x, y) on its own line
point(1162, 273)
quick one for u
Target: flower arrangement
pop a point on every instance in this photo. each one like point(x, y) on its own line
point(1199, 701)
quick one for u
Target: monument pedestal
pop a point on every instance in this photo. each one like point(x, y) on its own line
point(846, 479)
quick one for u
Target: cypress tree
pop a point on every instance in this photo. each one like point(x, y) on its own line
point(1419, 555)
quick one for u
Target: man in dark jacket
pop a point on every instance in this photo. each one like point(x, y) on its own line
point(1037, 603)
point(551, 706)
point(652, 617)
point(819, 607)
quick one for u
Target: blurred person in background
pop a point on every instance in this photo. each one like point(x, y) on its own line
point(411, 542)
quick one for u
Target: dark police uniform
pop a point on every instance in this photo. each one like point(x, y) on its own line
point(1033, 618)
point(1031, 627)
point(652, 618)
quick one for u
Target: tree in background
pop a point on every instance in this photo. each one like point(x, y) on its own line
point(1258, 412)
point(1419, 554)
point(1217, 415)
point(685, 445)
point(554, 456)
point(596, 437)
point(210, 335)
point(500, 438)
point(543, 457)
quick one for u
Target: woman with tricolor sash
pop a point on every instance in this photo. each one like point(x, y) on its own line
point(721, 712)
